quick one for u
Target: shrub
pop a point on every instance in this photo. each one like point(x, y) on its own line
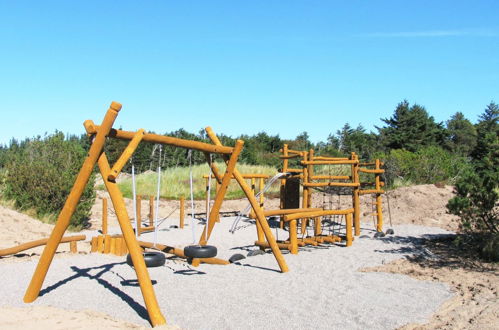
point(41, 173)
point(427, 165)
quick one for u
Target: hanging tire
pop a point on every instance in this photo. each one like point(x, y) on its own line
point(379, 234)
point(152, 259)
point(389, 232)
point(200, 251)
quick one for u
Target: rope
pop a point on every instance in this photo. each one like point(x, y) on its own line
point(134, 195)
point(189, 155)
point(208, 199)
point(157, 198)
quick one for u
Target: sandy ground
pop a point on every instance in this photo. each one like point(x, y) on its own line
point(327, 287)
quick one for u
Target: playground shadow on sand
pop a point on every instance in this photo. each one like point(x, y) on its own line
point(85, 272)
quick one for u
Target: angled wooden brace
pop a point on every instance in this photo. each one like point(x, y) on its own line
point(126, 154)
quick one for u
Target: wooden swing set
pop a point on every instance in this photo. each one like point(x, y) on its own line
point(96, 155)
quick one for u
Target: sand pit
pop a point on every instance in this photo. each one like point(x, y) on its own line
point(325, 288)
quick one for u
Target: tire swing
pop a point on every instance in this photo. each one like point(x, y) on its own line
point(197, 250)
point(151, 258)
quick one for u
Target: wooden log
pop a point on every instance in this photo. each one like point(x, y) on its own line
point(168, 140)
point(331, 184)
point(313, 214)
point(329, 162)
point(126, 154)
point(371, 191)
point(40, 242)
point(93, 244)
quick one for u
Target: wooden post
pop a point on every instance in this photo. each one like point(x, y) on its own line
point(100, 243)
point(260, 189)
point(72, 246)
point(151, 211)
point(93, 244)
point(318, 226)
point(285, 163)
point(107, 244)
point(310, 175)
point(305, 195)
point(379, 206)
point(293, 237)
point(104, 216)
point(356, 194)
point(182, 211)
point(349, 229)
point(112, 248)
point(69, 208)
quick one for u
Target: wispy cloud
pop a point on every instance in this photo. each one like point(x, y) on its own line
point(435, 34)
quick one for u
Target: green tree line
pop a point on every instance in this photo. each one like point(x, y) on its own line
point(414, 147)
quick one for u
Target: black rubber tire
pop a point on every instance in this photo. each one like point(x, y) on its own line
point(200, 251)
point(364, 236)
point(152, 259)
point(236, 257)
point(389, 232)
point(379, 234)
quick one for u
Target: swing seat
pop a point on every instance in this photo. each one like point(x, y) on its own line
point(152, 259)
point(200, 251)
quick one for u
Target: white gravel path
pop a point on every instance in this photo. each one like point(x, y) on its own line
point(324, 288)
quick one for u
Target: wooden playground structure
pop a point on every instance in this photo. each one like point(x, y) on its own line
point(96, 155)
point(291, 211)
point(296, 212)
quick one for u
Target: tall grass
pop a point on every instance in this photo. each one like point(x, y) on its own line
point(175, 182)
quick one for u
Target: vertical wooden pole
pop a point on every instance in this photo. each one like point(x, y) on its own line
point(260, 189)
point(100, 244)
point(349, 229)
point(72, 247)
point(356, 194)
point(107, 244)
point(285, 163)
point(305, 195)
point(310, 174)
point(104, 216)
point(93, 245)
point(151, 211)
point(182, 211)
point(379, 206)
point(69, 208)
point(318, 226)
point(293, 237)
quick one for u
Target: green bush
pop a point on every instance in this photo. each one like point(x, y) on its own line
point(40, 175)
point(427, 165)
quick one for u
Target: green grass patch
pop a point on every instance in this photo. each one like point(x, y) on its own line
point(175, 182)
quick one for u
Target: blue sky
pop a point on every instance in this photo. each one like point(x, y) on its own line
point(242, 67)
